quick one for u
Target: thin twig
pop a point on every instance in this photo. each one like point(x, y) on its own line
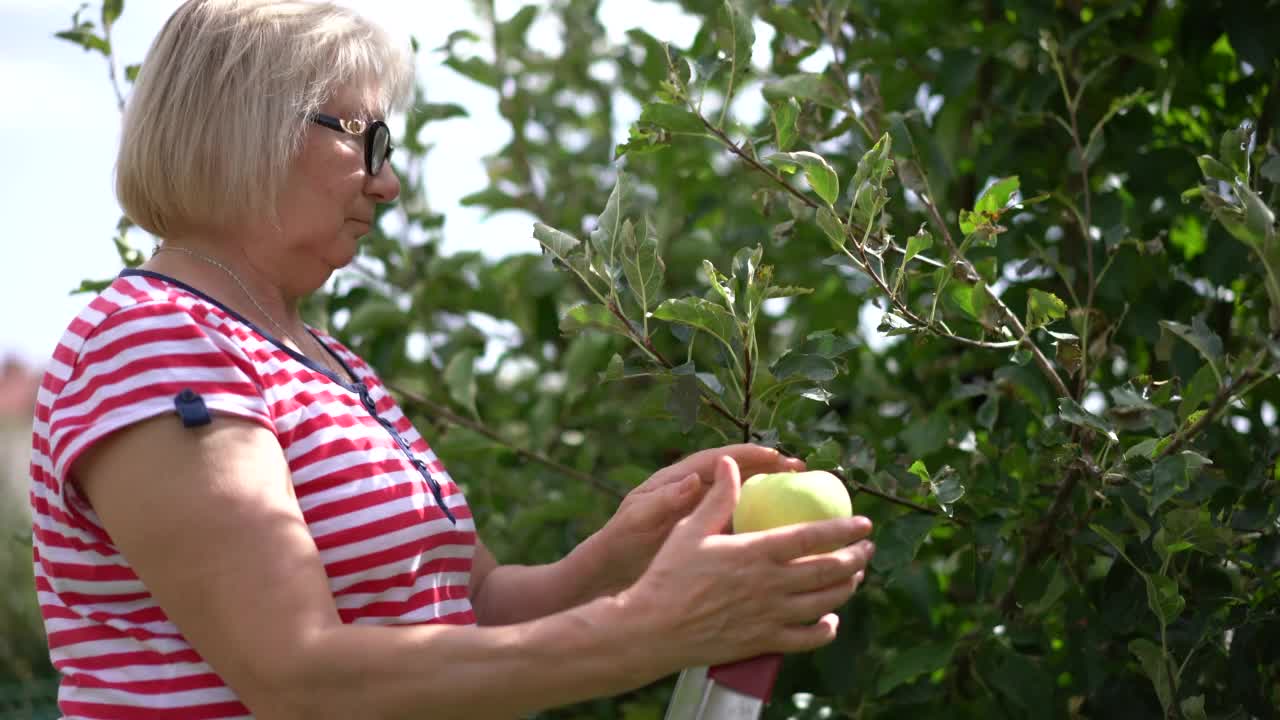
point(453, 418)
point(1220, 401)
point(1015, 325)
point(657, 356)
point(111, 68)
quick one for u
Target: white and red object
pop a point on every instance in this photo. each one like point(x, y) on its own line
point(733, 691)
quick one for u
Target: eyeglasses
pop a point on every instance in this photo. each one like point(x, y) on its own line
point(376, 134)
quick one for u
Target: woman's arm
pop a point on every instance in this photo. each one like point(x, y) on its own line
point(506, 594)
point(208, 521)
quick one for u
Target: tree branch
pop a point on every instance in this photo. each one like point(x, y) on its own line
point(1220, 401)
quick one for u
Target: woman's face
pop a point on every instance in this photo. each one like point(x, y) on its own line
point(329, 200)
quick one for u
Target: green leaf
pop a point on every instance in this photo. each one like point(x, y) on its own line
point(1113, 539)
point(86, 39)
point(785, 113)
point(821, 176)
point(784, 291)
point(111, 10)
point(1234, 149)
point(1164, 599)
point(701, 314)
point(616, 370)
point(825, 343)
point(1193, 708)
point(1271, 169)
point(511, 33)
point(790, 21)
point(1215, 170)
point(560, 244)
point(749, 279)
point(1070, 411)
point(735, 36)
point(591, 316)
point(824, 457)
point(990, 205)
point(642, 264)
point(996, 197)
point(373, 317)
point(912, 662)
point(475, 68)
point(1174, 474)
point(898, 541)
point(1019, 678)
point(720, 284)
point(1145, 449)
point(917, 244)
point(1043, 308)
point(606, 239)
point(1202, 339)
point(1258, 217)
point(1154, 663)
point(684, 398)
point(832, 227)
point(989, 412)
point(805, 86)
point(1188, 235)
point(1201, 389)
point(919, 469)
point(672, 117)
point(811, 367)
point(460, 379)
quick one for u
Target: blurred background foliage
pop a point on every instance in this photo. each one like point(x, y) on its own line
point(1064, 427)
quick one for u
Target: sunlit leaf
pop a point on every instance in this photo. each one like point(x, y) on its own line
point(642, 264)
point(590, 316)
point(785, 113)
point(821, 176)
point(1043, 308)
point(701, 314)
point(672, 117)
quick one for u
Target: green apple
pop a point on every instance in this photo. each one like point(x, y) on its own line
point(771, 500)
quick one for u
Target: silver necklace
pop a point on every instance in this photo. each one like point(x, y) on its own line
point(243, 288)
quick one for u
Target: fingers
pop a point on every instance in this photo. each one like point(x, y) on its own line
point(809, 636)
point(802, 608)
point(813, 538)
point(716, 507)
point(758, 458)
point(815, 572)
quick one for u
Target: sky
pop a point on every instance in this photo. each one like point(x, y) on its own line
point(62, 129)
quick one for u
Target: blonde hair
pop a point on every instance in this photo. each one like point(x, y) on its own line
point(219, 108)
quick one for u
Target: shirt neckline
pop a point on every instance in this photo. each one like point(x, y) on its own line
point(314, 366)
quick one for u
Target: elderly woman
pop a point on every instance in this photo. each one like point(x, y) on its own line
point(232, 515)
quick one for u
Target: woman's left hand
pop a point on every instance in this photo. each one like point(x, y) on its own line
point(644, 519)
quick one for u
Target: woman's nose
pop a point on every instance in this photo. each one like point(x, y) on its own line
point(385, 186)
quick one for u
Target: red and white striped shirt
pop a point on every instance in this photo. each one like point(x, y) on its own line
point(369, 487)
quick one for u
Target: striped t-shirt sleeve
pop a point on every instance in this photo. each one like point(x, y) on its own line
point(132, 368)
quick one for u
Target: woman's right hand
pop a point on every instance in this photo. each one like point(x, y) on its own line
point(709, 598)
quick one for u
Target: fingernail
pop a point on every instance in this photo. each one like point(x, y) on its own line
point(871, 548)
point(858, 576)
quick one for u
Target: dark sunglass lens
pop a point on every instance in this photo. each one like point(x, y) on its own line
point(381, 148)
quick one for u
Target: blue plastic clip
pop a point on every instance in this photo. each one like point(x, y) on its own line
point(191, 409)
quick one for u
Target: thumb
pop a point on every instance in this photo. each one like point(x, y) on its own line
point(712, 514)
